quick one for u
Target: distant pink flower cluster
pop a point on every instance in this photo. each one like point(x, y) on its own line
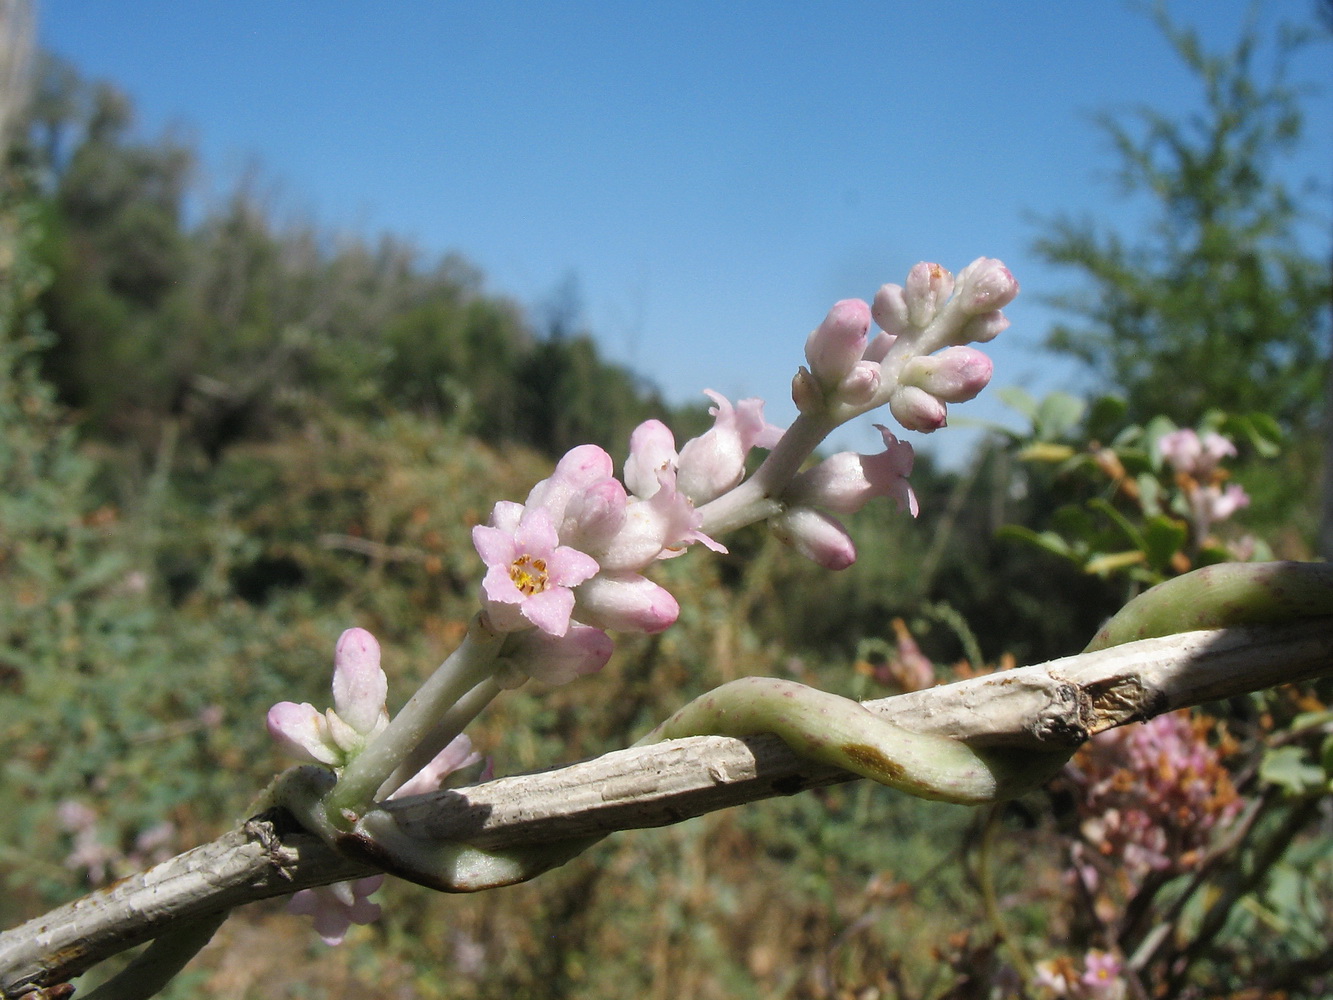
point(1196, 459)
point(100, 861)
point(1101, 978)
point(1151, 796)
point(567, 564)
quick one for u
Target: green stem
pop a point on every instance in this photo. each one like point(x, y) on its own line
point(758, 497)
point(453, 722)
point(990, 901)
point(465, 668)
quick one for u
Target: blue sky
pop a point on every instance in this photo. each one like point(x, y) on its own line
point(713, 174)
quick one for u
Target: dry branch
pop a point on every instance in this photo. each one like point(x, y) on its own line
point(1050, 707)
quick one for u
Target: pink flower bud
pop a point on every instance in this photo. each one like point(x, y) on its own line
point(359, 685)
point(917, 410)
point(578, 469)
point(985, 285)
point(303, 732)
point(838, 343)
point(954, 375)
point(861, 384)
point(818, 537)
point(558, 660)
point(878, 348)
point(626, 602)
point(928, 288)
point(984, 328)
point(806, 392)
point(890, 310)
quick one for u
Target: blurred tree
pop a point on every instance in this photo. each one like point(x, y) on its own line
point(1219, 302)
point(113, 240)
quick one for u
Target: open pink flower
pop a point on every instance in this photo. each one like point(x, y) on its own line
point(530, 575)
point(714, 462)
point(845, 482)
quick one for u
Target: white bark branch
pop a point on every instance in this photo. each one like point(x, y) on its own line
point(1050, 707)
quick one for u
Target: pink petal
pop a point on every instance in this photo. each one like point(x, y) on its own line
point(494, 545)
point(550, 610)
point(302, 732)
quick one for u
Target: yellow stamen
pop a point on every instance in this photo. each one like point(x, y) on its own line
point(528, 574)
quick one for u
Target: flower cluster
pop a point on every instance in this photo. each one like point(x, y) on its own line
point(1151, 796)
point(1196, 459)
point(567, 565)
point(1101, 978)
point(96, 858)
point(900, 366)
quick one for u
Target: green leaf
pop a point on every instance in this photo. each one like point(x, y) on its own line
point(1163, 537)
point(1017, 398)
point(1104, 416)
point(1047, 540)
point(1057, 415)
point(1292, 769)
point(1113, 562)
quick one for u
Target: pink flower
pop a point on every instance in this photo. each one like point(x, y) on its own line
point(714, 462)
point(359, 713)
point(844, 482)
point(1152, 794)
point(1212, 504)
point(336, 907)
point(1193, 454)
point(456, 755)
point(530, 575)
point(1101, 976)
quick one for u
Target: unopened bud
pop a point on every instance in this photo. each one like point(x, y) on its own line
point(818, 537)
point(954, 375)
point(928, 288)
point(836, 345)
point(917, 410)
point(985, 285)
point(861, 385)
point(890, 310)
point(806, 392)
point(878, 348)
point(985, 328)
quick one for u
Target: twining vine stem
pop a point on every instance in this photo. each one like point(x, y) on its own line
point(1046, 709)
